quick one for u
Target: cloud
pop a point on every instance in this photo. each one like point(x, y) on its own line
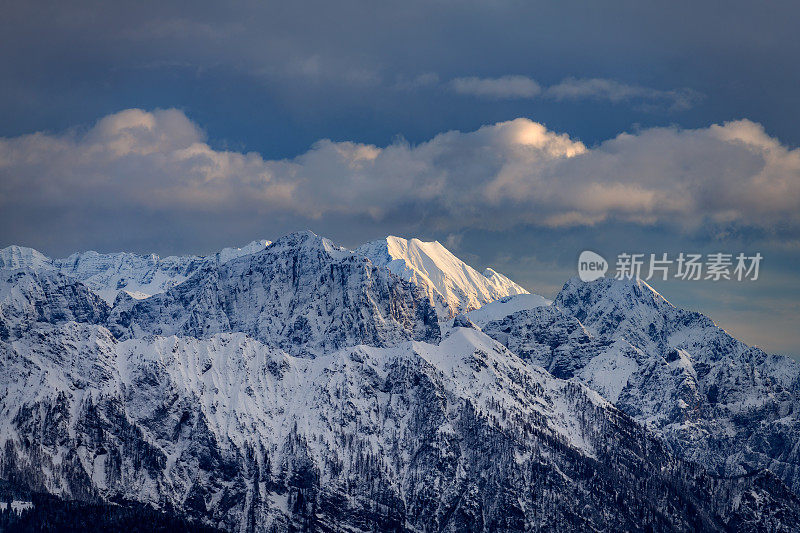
point(505, 87)
point(427, 79)
point(572, 89)
point(500, 176)
point(148, 160)
point(615, 91)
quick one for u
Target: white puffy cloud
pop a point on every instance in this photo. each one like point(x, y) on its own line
point(501, 175)
point(153, 160)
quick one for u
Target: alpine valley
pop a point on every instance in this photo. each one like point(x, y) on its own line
point(297, 385)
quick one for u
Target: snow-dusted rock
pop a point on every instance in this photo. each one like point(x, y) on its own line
point(14, 256)
point(108, 274)
point(139, 275)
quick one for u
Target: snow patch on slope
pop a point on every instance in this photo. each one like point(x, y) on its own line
point(506, 306)
point(226, 254)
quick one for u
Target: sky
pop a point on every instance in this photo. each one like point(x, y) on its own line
point(516, 133)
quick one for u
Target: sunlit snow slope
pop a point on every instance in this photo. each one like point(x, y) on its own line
point(444, 276)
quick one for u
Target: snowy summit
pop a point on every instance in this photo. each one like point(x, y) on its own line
point(444, 276)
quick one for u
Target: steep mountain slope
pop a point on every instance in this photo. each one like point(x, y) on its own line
point(460, 436)
point(714, 399)
point(28, 297)
point(301, 294)
point(443, 276)
point(226, 254)
point(506, 306)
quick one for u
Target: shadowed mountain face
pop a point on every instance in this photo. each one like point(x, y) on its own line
point(303, 387)
point(28, 297)
point(715, 400)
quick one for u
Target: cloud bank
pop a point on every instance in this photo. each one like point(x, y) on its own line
point(499, 176)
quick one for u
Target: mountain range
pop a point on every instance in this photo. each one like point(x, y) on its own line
point(298, 385)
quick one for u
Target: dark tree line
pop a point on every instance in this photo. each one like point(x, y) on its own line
point(51, 514)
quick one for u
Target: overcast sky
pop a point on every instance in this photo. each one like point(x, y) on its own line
point(517, 133)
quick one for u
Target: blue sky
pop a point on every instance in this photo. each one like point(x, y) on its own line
point(518, 133)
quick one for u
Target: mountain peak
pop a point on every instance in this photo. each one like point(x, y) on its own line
point(611, 289)
point(15, 256)
point(302, 294)
point(307, 241)
point(445, 277)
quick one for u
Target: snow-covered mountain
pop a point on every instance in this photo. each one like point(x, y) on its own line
point(302, 387)
point(109, 273)
point(714, 399)
point(141, 275)
point(459, 436)
point(452, 285)
point(444, 276)
point(28, 297)
point(302, 294)
point(21, 257)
